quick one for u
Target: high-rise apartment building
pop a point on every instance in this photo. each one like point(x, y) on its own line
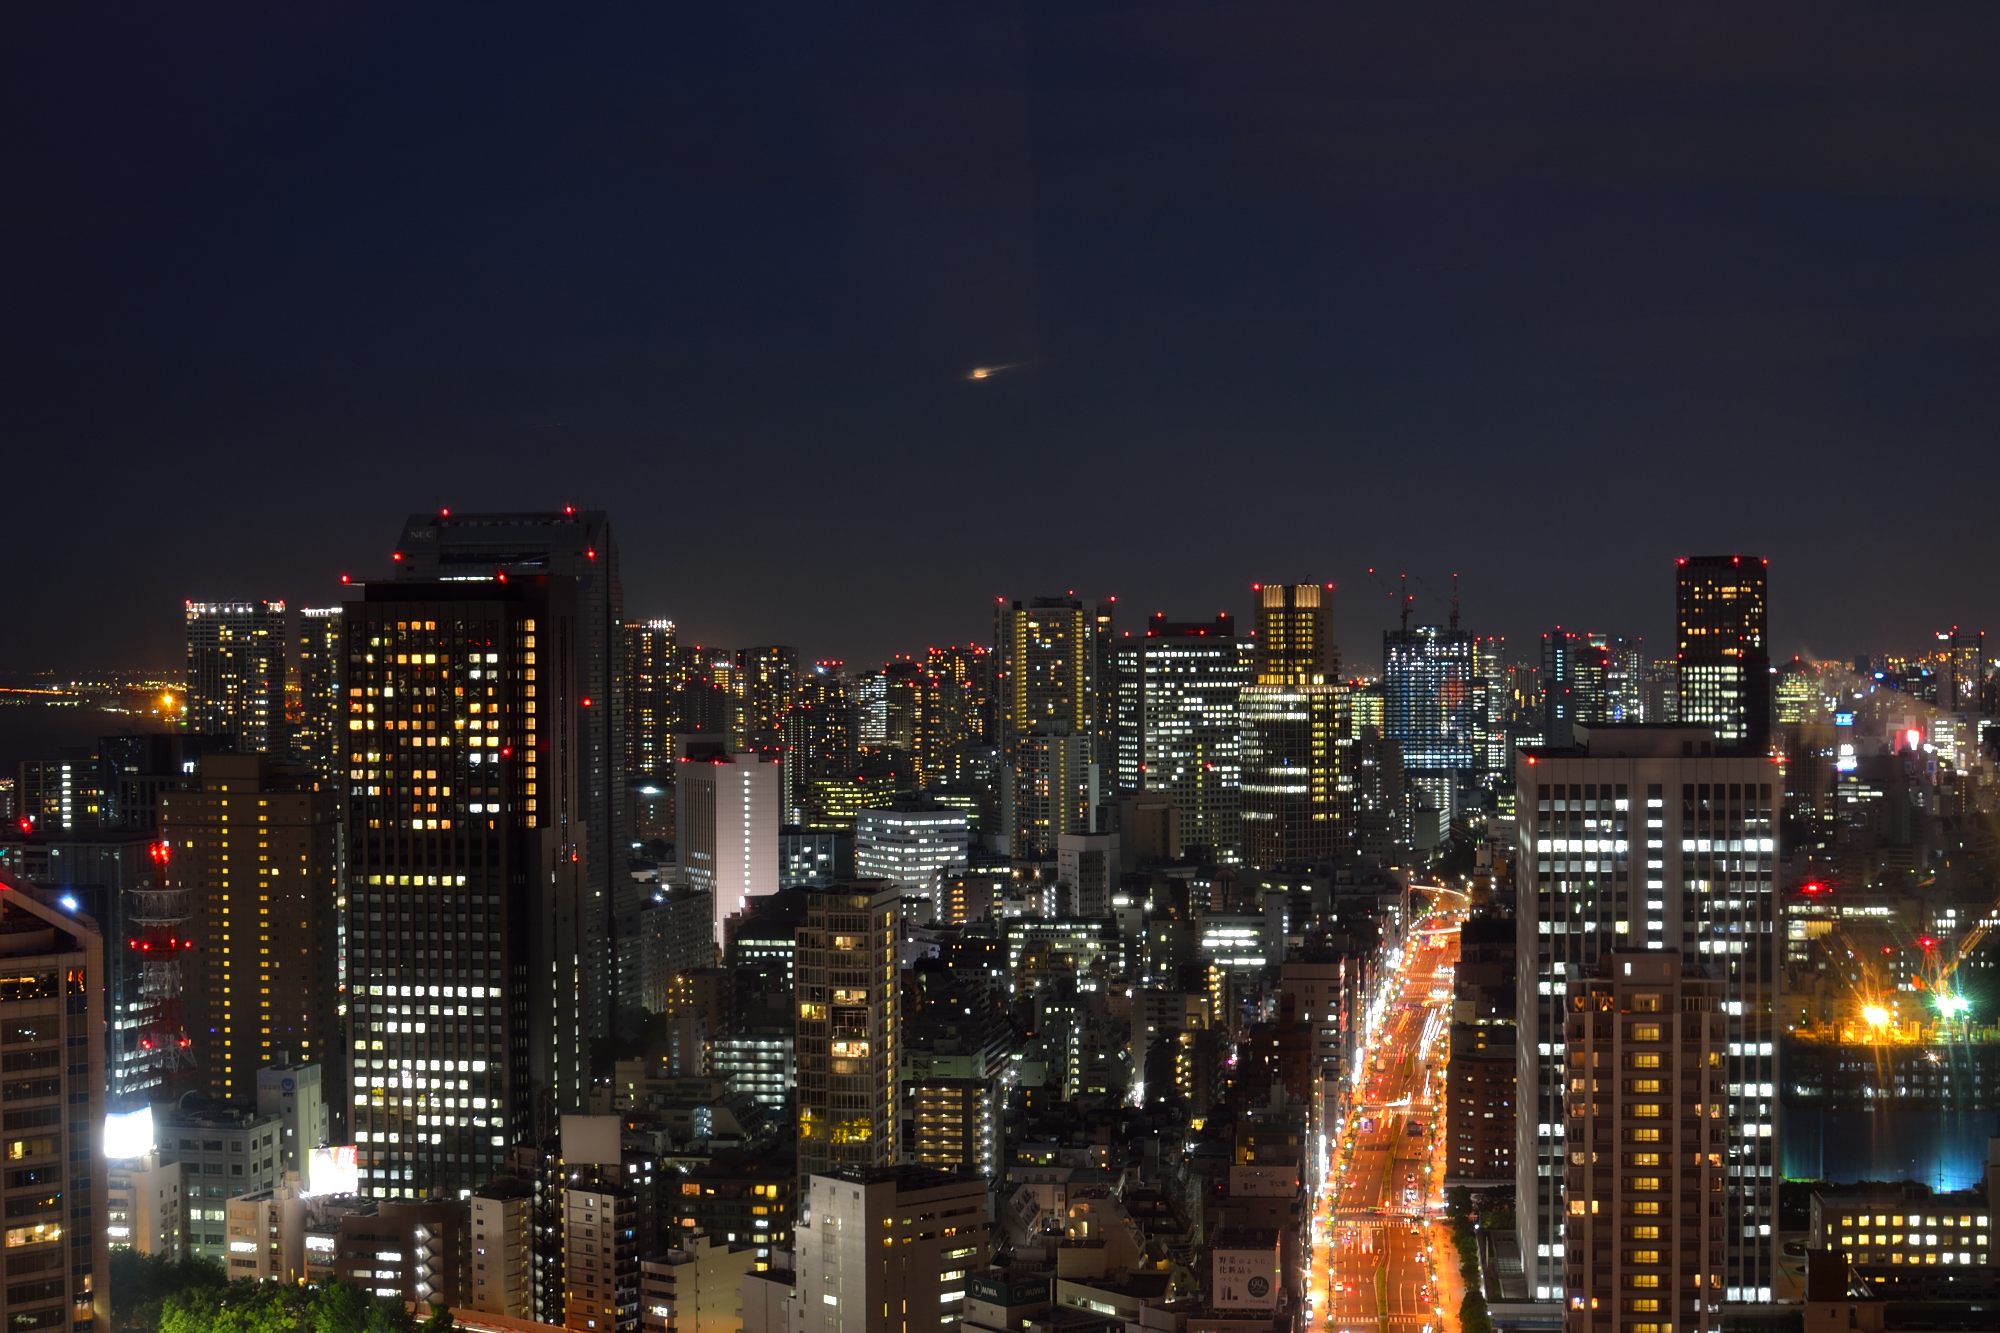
point(1292, 730)
point(1657, 839)
point(1724, 648)
point(1189, 678)
point(819, 737)
point(1052, 789)
point(236, 672)
point(768, 679)
point(849, 1001)
point(1048, 719)
point(319, 737)
point(1645, 1235)
point(468, 901)
point(575, 545)
point(727, 807)
point(254, 850)
point(54, 1255)
point(955, 1124)
point(889, 1250)
point(650, 663)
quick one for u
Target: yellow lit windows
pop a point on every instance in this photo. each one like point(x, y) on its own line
point(1645, 1032)
point(1646, 1110)
point(1643, 1135)
point(1646, 1060)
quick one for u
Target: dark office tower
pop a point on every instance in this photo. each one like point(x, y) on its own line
point(236, 672)
point(1724, 655)
point(1104, 683)
point(575, 545)
point(322, 711)
point(768, 678)
point(650, 662)
point(1573, 680)
point(468, 885)
point(1047, 661)
point(705, 708)
point(1292, 730)
point(903, 690)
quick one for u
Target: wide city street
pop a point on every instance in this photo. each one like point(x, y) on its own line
point(1374, 1232)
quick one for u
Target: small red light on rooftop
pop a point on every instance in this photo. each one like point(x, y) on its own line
point(397, 556)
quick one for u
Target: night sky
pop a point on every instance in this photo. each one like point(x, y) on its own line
point(1546, 296)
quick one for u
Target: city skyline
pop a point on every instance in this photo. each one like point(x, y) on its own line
point(1068, 664)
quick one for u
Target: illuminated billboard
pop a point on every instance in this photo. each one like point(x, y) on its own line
point(128, 1134)
point(334, 1170)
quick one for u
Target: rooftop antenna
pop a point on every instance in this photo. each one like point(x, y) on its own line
point(1406, 600)
point(1454, 601)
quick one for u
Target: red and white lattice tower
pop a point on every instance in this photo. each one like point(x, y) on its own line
point(158, 917)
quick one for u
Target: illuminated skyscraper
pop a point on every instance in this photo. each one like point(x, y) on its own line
point(236, 672)
point(1188, 679)
point(580, 669)
point(819, 737)
point(1654, 839)
point(1645, 1236)
point(254, 849)
point(1724, 648)
point(768, 679)
point(1428, 674)
point(468, 895)
point(1292, 731)
point(849, 999)
point(54, 1266)
point(1048, 722)
point(650, 662)
point(321, 731)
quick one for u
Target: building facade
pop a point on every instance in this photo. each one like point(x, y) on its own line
point(1723, 648)
point(467, 898)
point(849, 1280)
point(236, 672)
point(575, 547)
point(1645, 1236)
point(727, 806)
point(256, 852)
point(1293, 732)
point(1651, 839)
point(54, 1256)
point(849, 999)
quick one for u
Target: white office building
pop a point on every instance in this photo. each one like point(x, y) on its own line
point(889, 1250)
point(914, 845)
point(729, 808)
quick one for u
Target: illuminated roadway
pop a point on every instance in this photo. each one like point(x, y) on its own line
point(1372, 1270)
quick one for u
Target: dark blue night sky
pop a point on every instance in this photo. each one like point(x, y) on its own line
point(1544, 295)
